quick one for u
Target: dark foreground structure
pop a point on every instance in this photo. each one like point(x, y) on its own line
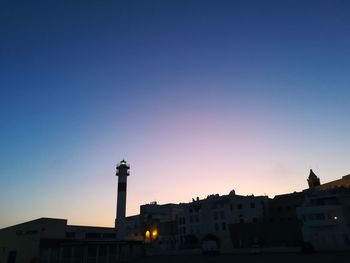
point(49, 240)
point(61, 251)
point(340, 257)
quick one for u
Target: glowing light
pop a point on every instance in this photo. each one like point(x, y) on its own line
point(154, 233)
point(148, 234)
point(335, 217)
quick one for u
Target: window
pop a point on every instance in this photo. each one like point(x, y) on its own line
point(216, 227)
point(239, 206)
point(215, 215)
point(19, 232)
point(320, 216)
point(254, 220)
point(332, 216)
point(92, 235)
point(252, 205)
point(70, 235)
point(110, 235)
point(223, 226)
point(197, 207)
point(241, 220)
point(31, 232)
point(222, 214)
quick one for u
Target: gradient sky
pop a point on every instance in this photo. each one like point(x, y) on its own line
point(200, 97)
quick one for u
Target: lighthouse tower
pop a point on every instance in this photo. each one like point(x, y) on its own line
point(122, 173)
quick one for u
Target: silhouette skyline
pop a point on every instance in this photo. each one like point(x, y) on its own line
point(314, 220)
point(201, 97)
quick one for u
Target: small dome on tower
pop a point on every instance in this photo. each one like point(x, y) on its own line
point(232, 192)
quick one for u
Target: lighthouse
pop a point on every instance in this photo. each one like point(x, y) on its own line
point(122, 173)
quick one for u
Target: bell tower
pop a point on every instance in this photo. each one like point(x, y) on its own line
point(313, 180)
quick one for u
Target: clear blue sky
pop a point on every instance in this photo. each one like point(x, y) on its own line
point(200, 97)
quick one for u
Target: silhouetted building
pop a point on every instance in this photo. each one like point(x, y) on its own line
point(313, 180)
point(159, 224)
point(21, 243)
point(320, 217)
point(122, 173)
point(326, 219)
point(49, 240)
point(282, 208)
point(343, 182)
point(133, 228)
point(185, 225)
point(213, 215)
point(280, 226)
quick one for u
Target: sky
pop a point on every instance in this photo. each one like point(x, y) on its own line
point(200, 97)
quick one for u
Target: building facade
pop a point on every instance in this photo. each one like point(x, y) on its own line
point(213, 216)
point(51, 240)
point(326, 219)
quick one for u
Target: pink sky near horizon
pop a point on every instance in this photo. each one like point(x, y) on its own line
point(186, 156)
point(200, 97)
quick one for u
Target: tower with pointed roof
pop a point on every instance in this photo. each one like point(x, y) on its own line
point(313, 180)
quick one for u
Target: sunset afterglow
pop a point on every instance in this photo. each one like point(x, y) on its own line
point(199, 97)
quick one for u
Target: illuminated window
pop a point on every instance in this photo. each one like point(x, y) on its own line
point(332, 216)
point(154, 234)
point(148, 234)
